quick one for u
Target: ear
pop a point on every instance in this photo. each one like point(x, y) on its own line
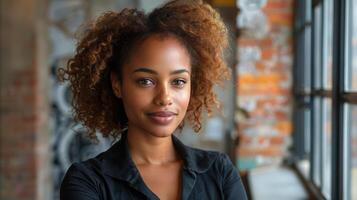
point(116, 86)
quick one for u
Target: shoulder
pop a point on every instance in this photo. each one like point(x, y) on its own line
point(81, 180)
point(204, 160)
point(221, 162)
point(92, 170)
point(216, 162)
point(86, 171)
point(87, 167)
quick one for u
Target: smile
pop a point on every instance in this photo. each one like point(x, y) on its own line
point(162, 118)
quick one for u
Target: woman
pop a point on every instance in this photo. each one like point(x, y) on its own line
point(139, 76)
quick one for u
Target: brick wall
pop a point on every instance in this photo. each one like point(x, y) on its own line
point(265, 56)
point(24, 139)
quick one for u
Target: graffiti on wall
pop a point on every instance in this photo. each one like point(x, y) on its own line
point(251, 18)
point(69, 142)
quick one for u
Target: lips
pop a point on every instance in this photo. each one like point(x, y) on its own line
point(162, 114)
point(162, 117)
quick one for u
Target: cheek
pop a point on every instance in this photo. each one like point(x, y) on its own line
point(132, 101)
point(183, 98)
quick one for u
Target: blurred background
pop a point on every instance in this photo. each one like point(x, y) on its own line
point(289, 121)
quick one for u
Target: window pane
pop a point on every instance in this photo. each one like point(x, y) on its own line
point(307, 137)
point(307, 59)
point(353, 42)
point(307, 131)
point(308, 12)
point(303, 61)
point(317, 25)
point(302, 128)
point(326, 147)
point(299, 65)
point(327, 43)
point(353, 145)
point(307, 48)
point(317, 141)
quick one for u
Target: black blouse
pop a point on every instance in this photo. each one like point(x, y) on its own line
point(112, 175)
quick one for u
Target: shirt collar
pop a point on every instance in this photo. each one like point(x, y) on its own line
point(117, 161)
point(195, 160)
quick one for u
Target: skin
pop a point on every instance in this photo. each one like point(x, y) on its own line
point(156, 78)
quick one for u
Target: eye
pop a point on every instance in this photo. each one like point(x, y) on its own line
point(145, 82)
point(179, 83)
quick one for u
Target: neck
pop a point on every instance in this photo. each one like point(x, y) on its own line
point(147, 149)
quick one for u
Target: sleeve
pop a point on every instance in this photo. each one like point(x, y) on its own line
point(78, 185)
point(232, 184)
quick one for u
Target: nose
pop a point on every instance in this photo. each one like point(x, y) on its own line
point(163, 96)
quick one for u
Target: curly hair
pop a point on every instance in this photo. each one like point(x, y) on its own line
point(106, 43)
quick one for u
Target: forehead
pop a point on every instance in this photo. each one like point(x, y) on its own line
point(161, 52)
point(155, 44)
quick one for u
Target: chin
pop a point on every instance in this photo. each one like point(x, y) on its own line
point(149, 128)
point(161, 131)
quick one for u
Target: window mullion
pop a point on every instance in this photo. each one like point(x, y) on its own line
point(338, 134)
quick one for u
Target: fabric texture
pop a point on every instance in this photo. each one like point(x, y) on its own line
point(112, 175)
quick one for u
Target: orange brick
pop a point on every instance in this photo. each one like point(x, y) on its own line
point(261, 88)
point(279, 115)
point(277, 140)
point(256, 151)
point(279, 4)
point(260, 65)
point(263, 91)
point(280, 18)
point(271, 140)
point(246, 139)
point(284, 127)
point(268, 53)
point(250, 84)
point(244, 41)
point(261, 79)
point(272, 102)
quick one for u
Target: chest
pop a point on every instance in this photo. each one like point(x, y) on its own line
point(163, 180)
point(186, 187)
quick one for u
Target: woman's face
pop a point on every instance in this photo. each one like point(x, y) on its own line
point(156, 86)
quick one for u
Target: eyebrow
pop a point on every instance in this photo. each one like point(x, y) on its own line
point(150, 71)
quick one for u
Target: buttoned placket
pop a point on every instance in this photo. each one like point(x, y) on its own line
point(188, 183)
point(139, 185)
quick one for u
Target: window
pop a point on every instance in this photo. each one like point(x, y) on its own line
point(350, 94)
point(352, 76)
point(352, 131)
point(327, 43)
point(302, 87)
point(325, 93)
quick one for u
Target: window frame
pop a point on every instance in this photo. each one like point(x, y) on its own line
point(338, 94)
